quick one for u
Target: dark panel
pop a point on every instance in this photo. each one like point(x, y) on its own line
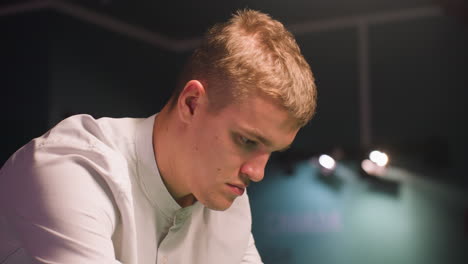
point(419, 80)
point(24, 82)
point(102, 73)
point(332, 56)
point(188, 19)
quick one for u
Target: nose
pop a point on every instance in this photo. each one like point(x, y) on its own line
point(254, 168)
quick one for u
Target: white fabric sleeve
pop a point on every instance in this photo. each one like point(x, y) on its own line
point(251, 255)
point(59, 207)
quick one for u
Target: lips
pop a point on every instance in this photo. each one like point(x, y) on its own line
point(236, 189)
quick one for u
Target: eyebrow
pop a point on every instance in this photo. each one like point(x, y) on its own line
point(263, 140)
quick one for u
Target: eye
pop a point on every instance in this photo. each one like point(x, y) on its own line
point(247, 142)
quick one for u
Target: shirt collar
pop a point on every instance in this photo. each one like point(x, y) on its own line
point(148, 172)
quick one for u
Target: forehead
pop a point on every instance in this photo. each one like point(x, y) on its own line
point(261, 116)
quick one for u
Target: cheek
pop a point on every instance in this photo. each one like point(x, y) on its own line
point(206, 154)
point(214, 152)
point(223, 154)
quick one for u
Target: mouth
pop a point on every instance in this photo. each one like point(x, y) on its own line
point(236, 189)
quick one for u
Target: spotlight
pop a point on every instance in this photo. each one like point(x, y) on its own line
point(326, 170)
point(379, 158)
point(376, 164)
point(327, 162)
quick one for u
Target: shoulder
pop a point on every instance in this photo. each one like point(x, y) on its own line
point(71, 181)
point(61, 173)
point(79, 148)
point(85, 130)
point(77, 162)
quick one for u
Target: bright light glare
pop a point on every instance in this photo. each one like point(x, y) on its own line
point(378, 158)
point(372, 168)
point(367, 165)
point(327, 162)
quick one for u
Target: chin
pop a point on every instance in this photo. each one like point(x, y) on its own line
point(218, 205)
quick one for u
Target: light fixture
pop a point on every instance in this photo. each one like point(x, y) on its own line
point(379, 158)
point(325, 163)
point(376, 163)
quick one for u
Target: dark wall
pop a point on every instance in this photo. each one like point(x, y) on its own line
point(418, 90)
point(103, 73)
point(419, 77)
point(334, 62)
point(24, 79)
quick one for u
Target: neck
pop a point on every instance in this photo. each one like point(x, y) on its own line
point(165, 146)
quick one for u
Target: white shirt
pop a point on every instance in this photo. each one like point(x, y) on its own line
point(89, 191)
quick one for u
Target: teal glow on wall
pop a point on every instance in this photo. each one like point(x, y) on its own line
point(302, 218)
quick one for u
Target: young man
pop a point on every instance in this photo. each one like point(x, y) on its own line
point(169, 188)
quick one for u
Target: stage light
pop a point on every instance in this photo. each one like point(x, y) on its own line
point(371, 168)
point(376, 164)
point(379, 158)
point(327, 162)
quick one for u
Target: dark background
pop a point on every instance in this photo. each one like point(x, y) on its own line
point(121, 58)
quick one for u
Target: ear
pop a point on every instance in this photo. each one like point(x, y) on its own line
point(190, 100)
